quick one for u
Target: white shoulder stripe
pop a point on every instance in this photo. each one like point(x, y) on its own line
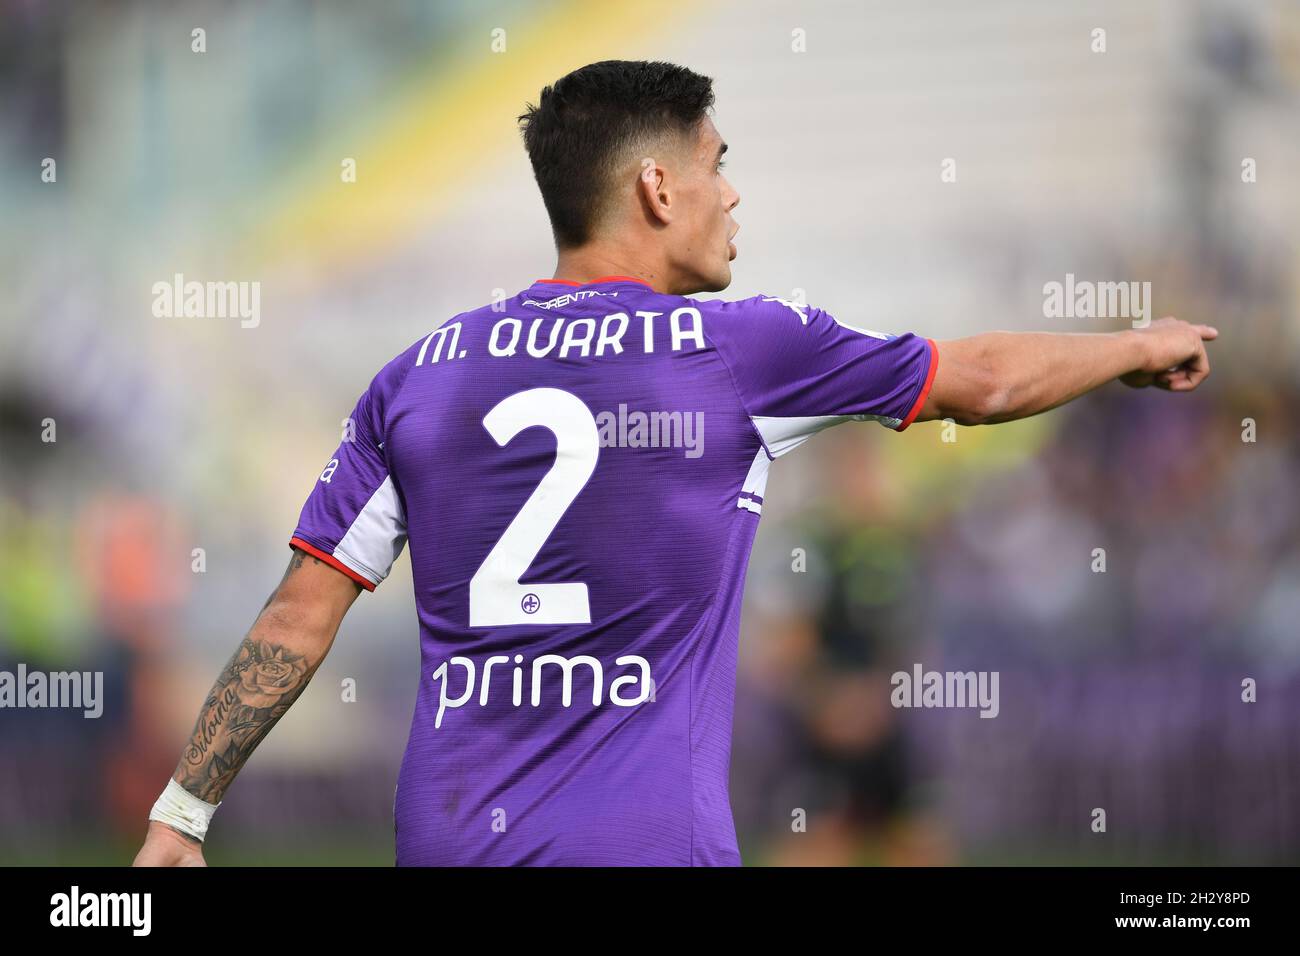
point(377, 536)
point(783, 435)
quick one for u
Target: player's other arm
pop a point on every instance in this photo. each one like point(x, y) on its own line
point(266, 674)
point(1003, 376)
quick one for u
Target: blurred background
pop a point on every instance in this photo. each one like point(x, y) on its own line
point(1119, 689)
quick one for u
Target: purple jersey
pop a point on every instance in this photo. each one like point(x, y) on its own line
point(580, 472)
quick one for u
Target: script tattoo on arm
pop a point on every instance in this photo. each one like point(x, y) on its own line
point(256, 688)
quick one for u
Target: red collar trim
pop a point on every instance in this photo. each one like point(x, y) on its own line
point(601, 279)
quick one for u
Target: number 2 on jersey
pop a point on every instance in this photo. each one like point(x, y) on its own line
point(496, 598)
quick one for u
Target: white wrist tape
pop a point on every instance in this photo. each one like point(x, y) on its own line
point(180, 809)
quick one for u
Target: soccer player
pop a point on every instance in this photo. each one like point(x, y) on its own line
point(579, 472)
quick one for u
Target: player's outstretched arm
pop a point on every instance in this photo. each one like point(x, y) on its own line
point(271, 668)
point(1002, 376)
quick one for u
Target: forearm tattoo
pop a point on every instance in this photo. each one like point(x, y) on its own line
point(255, 689)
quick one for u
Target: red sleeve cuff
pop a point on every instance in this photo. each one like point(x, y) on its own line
point(333, 562)
point(925, 389)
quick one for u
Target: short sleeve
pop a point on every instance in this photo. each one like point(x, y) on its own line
point(797, 370)
point(354, 519)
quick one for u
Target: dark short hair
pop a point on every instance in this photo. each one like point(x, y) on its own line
point(583, 126)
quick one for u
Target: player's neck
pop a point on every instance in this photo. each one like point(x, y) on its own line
point(589, 263)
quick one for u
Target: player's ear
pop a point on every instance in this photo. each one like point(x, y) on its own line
point(653, 187)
